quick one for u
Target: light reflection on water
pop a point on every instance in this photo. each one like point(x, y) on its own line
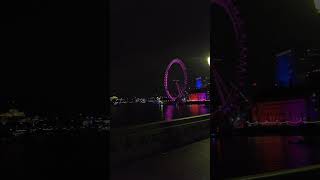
point(134, 114)
point(264, 154)
point(178, 111)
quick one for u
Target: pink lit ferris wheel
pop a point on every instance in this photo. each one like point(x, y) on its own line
point(232, 93)
point(180, 85)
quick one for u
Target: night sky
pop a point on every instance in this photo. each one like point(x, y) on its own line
point(272, 26)
point(53, 56)
point(146, 35)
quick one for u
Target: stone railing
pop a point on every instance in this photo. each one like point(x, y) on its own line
point(132, 143)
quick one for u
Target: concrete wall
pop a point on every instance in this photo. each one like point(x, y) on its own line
point(137, 142)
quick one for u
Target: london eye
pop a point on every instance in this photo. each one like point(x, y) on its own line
point(175, 88)
point(230, 83)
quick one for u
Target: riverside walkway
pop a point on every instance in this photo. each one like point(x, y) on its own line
point(189, 163)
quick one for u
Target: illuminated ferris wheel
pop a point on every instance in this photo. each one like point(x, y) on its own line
point(180, 85)
point(232, 92)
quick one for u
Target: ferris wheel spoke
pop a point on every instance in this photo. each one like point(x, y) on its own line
point(232, 93)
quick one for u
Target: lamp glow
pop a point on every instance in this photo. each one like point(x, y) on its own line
point(317, 4)
point(208, 59)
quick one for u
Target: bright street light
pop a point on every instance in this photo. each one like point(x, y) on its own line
point(317, 4)
point(208, 59)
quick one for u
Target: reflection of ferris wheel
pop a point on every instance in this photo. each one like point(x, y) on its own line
point(231, 93)
point(180, 87)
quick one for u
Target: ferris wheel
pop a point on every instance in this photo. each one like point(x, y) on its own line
point(180, 85)
point(232, 93)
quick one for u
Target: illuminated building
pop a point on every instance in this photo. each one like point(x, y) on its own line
point(201, 91)
point(298, 67)
point(200, 96)
point(199, 83)
point(280, 111)
point(296, 97)
point(285, 69)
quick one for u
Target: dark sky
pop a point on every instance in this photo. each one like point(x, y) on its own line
point(53, 55)
point(272, 26)
point(146, 35)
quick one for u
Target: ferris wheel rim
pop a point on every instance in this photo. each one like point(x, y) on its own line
point(166, 77)
point(241, 38)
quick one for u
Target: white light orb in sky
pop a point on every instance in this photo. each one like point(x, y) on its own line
point(317, 4)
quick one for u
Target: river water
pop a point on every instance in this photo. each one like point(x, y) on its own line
point(134, 114)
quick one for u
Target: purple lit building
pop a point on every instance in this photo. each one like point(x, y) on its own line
point(200, 92)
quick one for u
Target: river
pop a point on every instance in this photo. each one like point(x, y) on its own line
point(125, 115)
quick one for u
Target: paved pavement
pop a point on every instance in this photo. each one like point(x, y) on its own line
point(191, 162)
point(242, 156)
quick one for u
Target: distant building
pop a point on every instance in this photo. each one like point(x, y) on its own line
point(201, 91)
point(297, 67)
point(309, 67)
point(285, 69)
point(294, 110)
point(297, 95)
point(200, 96)
point(12, 115)
point(198, 83)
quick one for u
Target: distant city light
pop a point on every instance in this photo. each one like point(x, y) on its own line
point(317, 4)
point(208, 59)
